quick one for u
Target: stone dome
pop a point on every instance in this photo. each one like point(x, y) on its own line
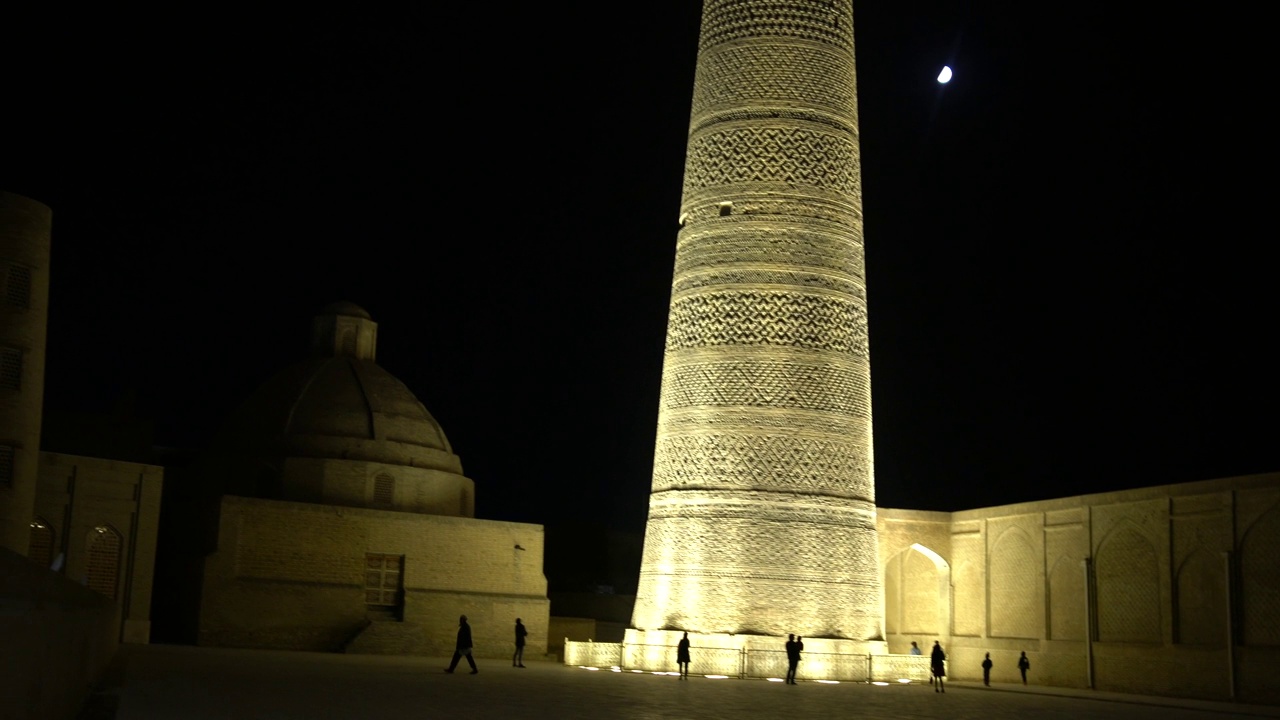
point(339, 404)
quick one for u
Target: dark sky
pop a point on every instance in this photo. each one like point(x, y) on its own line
point(1070, 259)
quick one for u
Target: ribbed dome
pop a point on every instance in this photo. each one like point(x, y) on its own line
point(338, 405)
point(340, 408)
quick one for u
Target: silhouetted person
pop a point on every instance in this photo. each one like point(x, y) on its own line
point(463, 648)
point(1023, 666)
point(793, 658)
point(986, 671)
point(682, 656)
point(938, 664)
point(517, 660)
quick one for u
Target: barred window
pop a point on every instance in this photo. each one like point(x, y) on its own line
point(41, 552)
point(382, 579)
point(6, 465)
point(10, 368)
point(104, 561)
point(384, 490)
point(17, 291)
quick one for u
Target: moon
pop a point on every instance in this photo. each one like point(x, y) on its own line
point(944, 77)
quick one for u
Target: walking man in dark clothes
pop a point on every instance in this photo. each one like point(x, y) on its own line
point(938, 663)
point(463, 647)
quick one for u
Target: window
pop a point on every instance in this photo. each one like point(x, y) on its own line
point(382, 580)
point(384, 490)
point(17, 291)
point(41, 552)
point(104, 561)
point(10, 368)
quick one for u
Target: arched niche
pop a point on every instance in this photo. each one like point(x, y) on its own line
point(917, 592)
point(102, 571)
point(1015, 587)
point(1202, 600)
point(1128, 579)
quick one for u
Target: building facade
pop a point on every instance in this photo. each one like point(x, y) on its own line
point(1171, 590)
point(345, 522)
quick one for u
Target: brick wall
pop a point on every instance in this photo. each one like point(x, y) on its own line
point(76, 495)
point(1166, 601)
point(291, 575)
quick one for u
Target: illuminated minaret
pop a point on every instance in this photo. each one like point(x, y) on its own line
point(762, 513)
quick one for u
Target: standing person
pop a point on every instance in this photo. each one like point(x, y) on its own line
point(682, 656)
point(915, 649)
point(1023, 666)
point(986, 671)
point(937, 662)
point(793, 659)
point(463, 647)
point(517, 660)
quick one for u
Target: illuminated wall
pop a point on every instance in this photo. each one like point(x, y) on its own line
point(1181, 594)
point(762, 513)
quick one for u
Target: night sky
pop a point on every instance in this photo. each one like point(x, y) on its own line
point(1069, 255)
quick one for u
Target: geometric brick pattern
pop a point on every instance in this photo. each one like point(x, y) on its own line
point(1128, 579)
point(783, 318)
point(801, 382)
point(762, 517)
point(1066, 597)
point(970, 582)
point(785, 156)
point(1260, 573)
point(790, 74)
point(822, 21)
point(1202, 600)
point(103, 569)
point(1014, 588)
point(42, 543)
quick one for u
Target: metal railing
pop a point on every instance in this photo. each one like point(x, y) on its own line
point(746, 663)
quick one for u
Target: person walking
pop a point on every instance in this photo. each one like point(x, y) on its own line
point(938, 664)
point(793, 659)
point(463, 647)
point(517, 660)
point(682, 656)
point(1023, 666)
point(986, 671)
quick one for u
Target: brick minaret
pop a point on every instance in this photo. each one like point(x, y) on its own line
point(762, 513)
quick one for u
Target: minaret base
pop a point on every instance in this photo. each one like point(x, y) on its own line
point(749, 655)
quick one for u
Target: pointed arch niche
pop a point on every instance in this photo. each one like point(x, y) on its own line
point(103, 569)
point(917, 584)
point(1128, 576)
point(1015, 587)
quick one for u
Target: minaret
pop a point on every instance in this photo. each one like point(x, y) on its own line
point(762, 514)
point(25, 227)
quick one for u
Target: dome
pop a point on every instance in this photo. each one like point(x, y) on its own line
point(338, 404)
point(346, 309)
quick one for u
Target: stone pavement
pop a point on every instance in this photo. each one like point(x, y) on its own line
point(160, 682)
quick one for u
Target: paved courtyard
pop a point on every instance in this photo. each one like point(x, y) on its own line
point(160, 681)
